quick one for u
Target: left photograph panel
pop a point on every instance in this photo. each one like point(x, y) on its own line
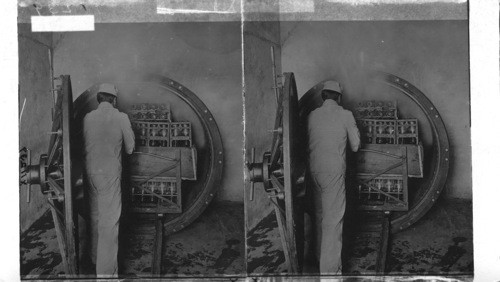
point(130, 151)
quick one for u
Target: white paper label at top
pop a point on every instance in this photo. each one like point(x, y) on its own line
point(62, 23)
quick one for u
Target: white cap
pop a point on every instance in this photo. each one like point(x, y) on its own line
point(108, 88)
point(332, 86)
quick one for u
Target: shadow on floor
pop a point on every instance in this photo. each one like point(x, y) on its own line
point(438, 244)
point(212, 245)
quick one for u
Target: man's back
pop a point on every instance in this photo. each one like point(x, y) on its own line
point(329, 128)
point(105, 131)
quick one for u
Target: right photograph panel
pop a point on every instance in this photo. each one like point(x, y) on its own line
point(358, 151)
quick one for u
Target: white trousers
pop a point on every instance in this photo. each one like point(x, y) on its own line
point(105, 210)
point(329, 202)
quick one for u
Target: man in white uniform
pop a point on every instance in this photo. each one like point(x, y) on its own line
point(106, 132)
point(329, 128)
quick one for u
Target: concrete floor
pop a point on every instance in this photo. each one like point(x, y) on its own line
point(438, 244)
point(213, 245)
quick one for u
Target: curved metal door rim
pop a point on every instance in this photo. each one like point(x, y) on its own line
point(216, 152)
point(440, 146)
point(289, 183)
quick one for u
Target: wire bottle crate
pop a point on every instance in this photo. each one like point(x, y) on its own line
point(169, 188)
point(384, 192)
point(157, 137)
point(376, 110)
point(151, 112)
point(385, 131)
point(163, 134)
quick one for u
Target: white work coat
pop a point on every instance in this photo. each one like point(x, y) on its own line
point(106, 131)
point(329, 128)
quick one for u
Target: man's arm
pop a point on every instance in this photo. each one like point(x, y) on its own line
point(128, 135)
point(352, 132)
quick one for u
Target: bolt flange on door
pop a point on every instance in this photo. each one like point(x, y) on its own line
point(282, 174)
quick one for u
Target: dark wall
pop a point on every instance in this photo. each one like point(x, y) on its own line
point(36, 121)
point(204, 57)
point(432, 55)
point(260, 104)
